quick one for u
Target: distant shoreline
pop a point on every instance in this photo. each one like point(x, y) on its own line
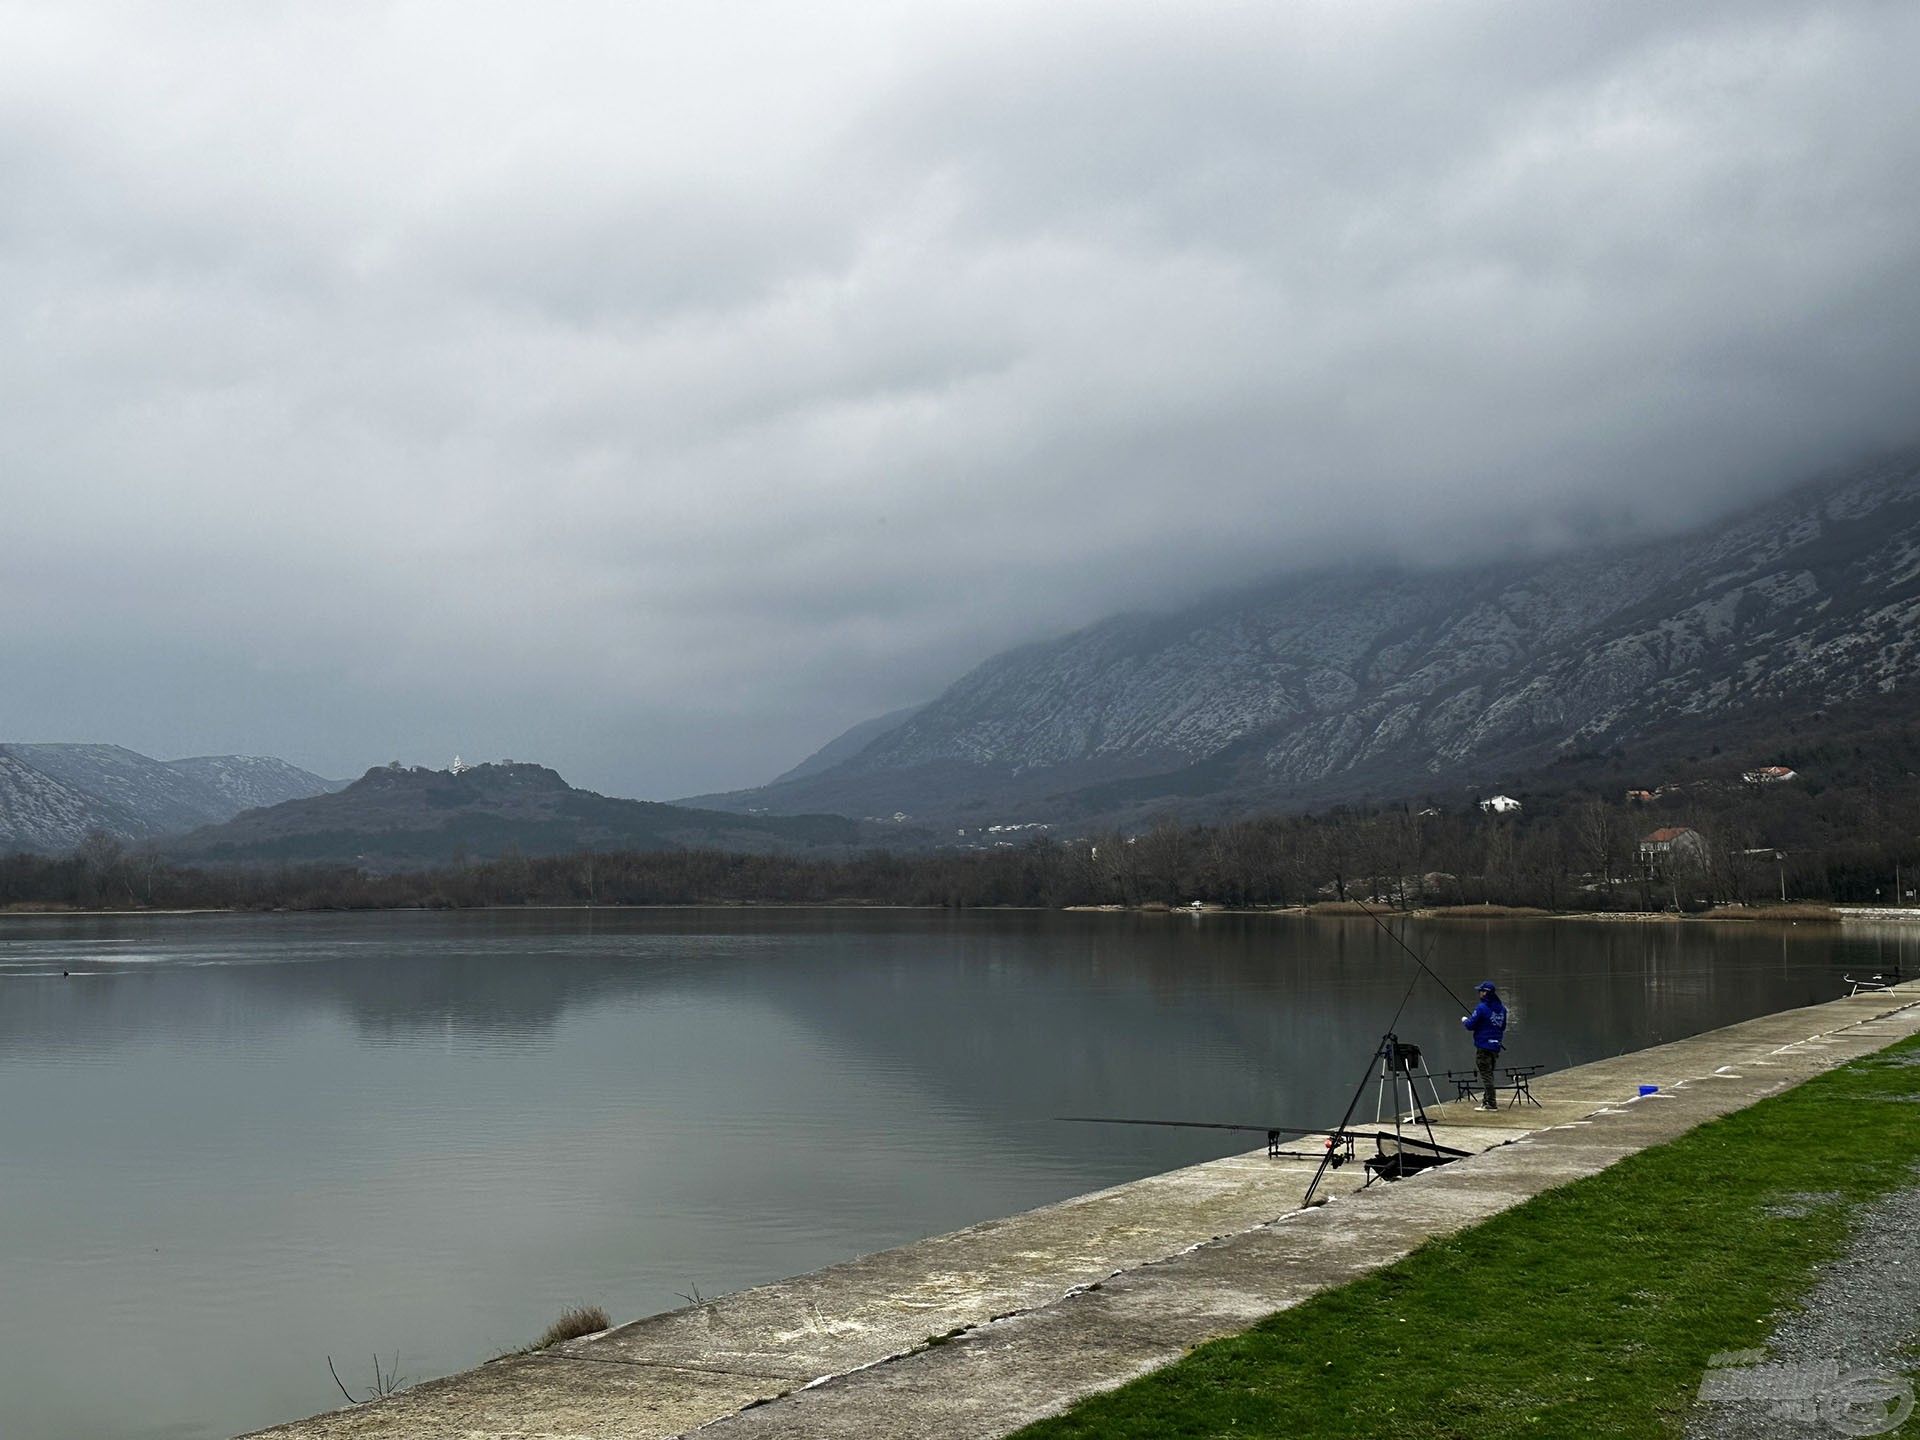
point(1789, 914)
point(41, 912)
point(1792, 913)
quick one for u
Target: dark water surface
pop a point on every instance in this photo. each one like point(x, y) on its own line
point(231, 1146)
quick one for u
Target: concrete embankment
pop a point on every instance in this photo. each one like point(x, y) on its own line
point(1880, 914)
point(1031, 1312)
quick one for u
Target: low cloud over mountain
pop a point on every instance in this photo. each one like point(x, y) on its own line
point(654, 389)
point(1341, 685)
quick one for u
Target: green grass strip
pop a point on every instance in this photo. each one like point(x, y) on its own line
point(1591, 1310)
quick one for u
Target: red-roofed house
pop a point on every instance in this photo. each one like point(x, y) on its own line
point(1674, 847)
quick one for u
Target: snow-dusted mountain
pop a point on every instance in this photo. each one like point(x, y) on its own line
point(52, 795)
point(37, 812)
point(248, 782)
point(147, 796)
point(1329, 686)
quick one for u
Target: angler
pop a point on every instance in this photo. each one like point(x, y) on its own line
point(1488, 1022)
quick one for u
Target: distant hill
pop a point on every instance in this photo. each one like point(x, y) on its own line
point(51, 796)
point(395, 817)
point(1345, 685)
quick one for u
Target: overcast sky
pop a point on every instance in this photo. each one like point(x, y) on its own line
point(654, 390)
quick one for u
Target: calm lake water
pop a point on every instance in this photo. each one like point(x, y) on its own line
point(232, 1146)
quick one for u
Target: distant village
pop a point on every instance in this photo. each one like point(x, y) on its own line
point(1669, 851)
point(1700, 843)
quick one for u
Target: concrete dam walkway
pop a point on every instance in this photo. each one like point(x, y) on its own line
point(971, 1335)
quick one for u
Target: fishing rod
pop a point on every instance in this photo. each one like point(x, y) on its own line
point(1273, 1132)
point(1417, 959)
point(1189, 1124)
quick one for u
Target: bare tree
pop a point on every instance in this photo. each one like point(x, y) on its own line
point(103, 858)
point(1599, 832)
point(1163, 858)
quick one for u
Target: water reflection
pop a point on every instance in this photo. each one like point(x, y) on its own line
point(238, 1144)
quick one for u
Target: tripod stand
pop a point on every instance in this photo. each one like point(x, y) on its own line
point(1409, 1154)
point(1402, 1064)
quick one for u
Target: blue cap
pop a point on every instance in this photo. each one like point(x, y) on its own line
point(1486, 985)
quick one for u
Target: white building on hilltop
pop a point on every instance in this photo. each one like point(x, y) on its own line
point(1499, 804)
point(459, 766)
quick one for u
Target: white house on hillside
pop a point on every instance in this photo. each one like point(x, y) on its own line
point(1499, 804)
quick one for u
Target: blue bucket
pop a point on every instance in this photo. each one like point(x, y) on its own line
point(1649, 1089)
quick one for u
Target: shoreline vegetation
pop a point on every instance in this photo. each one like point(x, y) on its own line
point(1789, 914)
point(1711, 848)
point(1792, 913)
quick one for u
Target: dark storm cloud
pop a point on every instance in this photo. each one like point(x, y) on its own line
point(655, 390)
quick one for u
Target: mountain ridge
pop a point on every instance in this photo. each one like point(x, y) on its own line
point(1335, 685)
point(848, 743)
point(52, 795)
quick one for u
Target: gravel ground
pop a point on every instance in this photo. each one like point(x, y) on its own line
point(1860, 1316)
point(1798, 1204)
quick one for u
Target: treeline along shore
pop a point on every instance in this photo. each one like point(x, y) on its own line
point(1698, 844)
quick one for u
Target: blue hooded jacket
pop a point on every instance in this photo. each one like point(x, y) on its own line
point(1488, 1022)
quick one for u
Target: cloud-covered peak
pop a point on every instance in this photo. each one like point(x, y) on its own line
point(655, 389)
